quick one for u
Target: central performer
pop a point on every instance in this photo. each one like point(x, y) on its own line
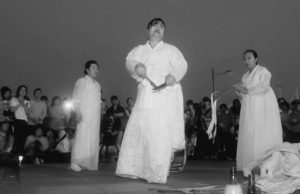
point(155, 128)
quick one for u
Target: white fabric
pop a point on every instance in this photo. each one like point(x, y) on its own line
point(156, 124)
point(85, 150)
point(260, 125)
point(20, 112)
point(211, 131)
point(65, 145)
point(279, 169)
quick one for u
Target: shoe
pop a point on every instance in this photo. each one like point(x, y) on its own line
point(75, 167)
point(36, 161)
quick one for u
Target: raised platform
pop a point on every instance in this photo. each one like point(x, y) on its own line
point(57, 179)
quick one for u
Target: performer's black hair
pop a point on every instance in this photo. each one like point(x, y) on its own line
point(88, 65)
point(154, 22)
point(5, 89)
point(251, 51)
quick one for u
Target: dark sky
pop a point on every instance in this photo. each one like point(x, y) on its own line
point(46, 43)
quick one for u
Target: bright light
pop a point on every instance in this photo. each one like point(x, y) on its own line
point(20, 158)
point(68, 105)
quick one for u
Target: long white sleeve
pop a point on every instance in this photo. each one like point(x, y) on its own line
point(263, 85)
point(132, 60)
point(178, 64)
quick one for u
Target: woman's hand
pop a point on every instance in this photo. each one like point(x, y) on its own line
point(141, 70)
point(240, 88)
point(170, 80)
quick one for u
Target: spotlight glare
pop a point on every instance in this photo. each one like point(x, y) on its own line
point(68, 105)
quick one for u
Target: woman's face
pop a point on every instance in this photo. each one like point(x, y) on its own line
point(156, 31)
point(7, 94)
point(38, 132)
point(57, 102)
point(23, 91)
point(130, 102)
point(249, 60)
point(93, 71)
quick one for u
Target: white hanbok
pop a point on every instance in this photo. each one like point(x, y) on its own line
point(260, 125)
point(156, 125)
point(85, 150)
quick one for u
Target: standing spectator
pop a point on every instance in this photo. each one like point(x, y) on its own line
point(118, 113)
point(20, 105)
point(293, 132)
point(284, 116)
point(129, 107)
point(260, 125)
point(235, 110)
point(206, 110)
point(225, 138)
point(104, 107)
point(38, 109)
point(57, 117)
point(6, 144)
point(45, 100)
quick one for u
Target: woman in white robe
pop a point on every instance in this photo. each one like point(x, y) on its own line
point(260, 125)
point(156, 125)
point(87, 101)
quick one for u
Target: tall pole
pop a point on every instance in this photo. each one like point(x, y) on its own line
point(213, 82)
point(213, 79)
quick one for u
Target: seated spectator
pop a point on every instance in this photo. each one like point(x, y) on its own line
point(6, 144)
point(51, 140)
point(64, 145)
point(35, 146)
point(59, 150)
point(281, 100)
point(190, 115)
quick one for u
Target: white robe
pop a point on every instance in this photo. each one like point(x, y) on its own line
point(260, 125)
point(156, 124)
point(85, 150)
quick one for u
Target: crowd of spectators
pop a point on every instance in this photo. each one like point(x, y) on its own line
point(43, 132)
point(224, 145)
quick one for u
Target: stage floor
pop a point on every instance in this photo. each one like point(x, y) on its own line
point(57, 179)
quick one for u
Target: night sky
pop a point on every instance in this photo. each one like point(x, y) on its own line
point(46, 43)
